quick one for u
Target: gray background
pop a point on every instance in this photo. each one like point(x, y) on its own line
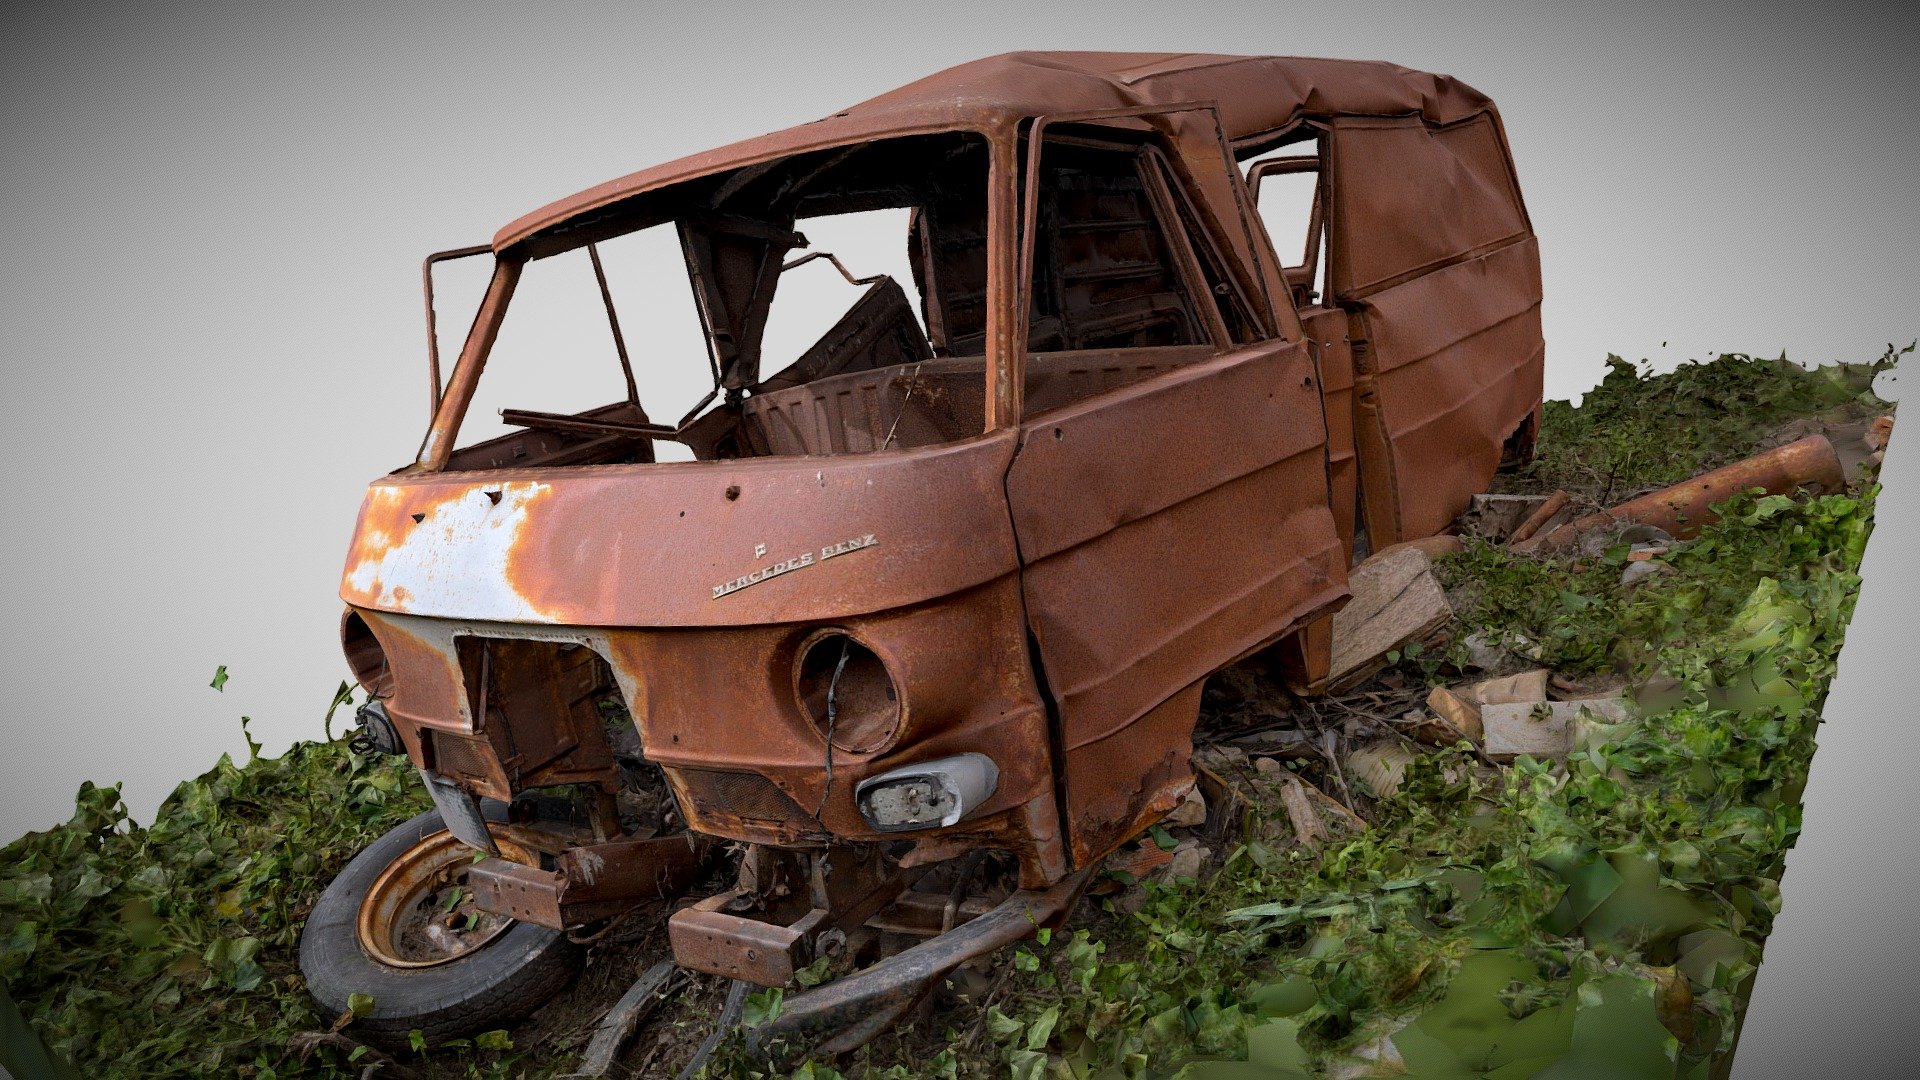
point(211, 326)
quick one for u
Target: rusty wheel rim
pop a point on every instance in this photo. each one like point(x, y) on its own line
point(419, 912)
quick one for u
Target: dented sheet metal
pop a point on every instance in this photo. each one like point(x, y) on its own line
point(1220, 540)
point(1451, 364)
point(1256, 94)
point(673, 545)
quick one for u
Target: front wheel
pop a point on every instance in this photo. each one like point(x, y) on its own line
point(399, 925)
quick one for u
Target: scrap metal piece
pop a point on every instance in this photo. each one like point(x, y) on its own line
point(1497, 518)
point(626, 1015)
point(849, 1012)
point(768, 949)
point(460, 809)
point(707, 938)
point(589, 882)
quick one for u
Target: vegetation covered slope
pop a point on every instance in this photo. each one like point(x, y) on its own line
point(1599, 916)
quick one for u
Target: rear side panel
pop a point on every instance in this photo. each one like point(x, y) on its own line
point(1453, 367)
point(1167, 528)
point(1433, 257)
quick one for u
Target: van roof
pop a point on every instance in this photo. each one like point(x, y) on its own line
point(1255, 94)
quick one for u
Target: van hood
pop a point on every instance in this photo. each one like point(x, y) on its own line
point(700, 543)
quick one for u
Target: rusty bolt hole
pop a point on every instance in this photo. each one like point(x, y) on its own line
point(733, 492)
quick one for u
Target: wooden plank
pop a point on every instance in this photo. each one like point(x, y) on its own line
point(1396, 599)
point(1543, 729)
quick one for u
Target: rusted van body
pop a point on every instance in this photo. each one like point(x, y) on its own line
point(1121, 442)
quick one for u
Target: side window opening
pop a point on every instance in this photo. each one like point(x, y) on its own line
point(1126, 280)
point(1234, 307)
point(1290, 196)
point(1104, 273)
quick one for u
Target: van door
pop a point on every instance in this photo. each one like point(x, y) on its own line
point(1433, 258)
point(1290, 193)
point(1169, 494)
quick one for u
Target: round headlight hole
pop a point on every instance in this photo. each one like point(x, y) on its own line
point(866, 707)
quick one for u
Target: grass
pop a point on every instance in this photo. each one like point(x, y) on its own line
point(1600, 916)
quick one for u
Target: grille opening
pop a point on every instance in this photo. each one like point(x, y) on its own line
point(542, 707)
point(739, 794)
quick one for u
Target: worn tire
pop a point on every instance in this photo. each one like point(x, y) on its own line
point(492, 986)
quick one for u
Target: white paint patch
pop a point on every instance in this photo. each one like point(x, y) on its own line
point(590, 863)
point(454, 561)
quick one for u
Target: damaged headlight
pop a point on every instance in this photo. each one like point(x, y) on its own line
point(927, 795)
point(848, 691)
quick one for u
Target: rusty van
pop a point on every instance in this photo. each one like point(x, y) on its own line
point(913, 632)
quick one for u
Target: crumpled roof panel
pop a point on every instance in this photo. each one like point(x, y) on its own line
point(1254, 94)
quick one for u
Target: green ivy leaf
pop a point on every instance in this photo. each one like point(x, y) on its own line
point(763, 1007)
point(1041, 1029)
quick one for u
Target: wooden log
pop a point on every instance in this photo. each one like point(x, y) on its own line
point(1460, 717)
point(625, 1016)
point(1381, 766)
point(1683, 508)
point(1307, 827)
point(1527, 686)
point(1537, 520)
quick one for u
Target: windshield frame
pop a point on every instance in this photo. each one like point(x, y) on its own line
point(1002, 390)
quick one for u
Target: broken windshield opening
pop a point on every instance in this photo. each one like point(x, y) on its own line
point(831, 302)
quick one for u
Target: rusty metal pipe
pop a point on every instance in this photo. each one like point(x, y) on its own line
point(1683, 508)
